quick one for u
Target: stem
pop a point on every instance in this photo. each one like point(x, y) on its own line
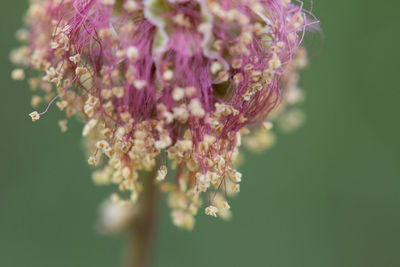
point(118, 6)
point(143, 228)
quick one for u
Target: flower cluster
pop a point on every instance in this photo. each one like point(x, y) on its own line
point(168, 84)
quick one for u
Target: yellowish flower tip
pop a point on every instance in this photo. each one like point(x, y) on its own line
point(178, 94)
point(81, 70)
point(18, 74)
point(62, 105)
point(139, 84)
point(162, 173)
point(211, 211)
point(108, 2)
point(114, 217)
point(226, 205)
point(132, 53)
point(93, 160)
point(168, 75)
point(88, 127)
point(235, 188)
point(183, 219)
point(36, 100)
point(35, 116)
point(215, 67)
point(118, 92)
point(131, 6)
point(75, 59)
point(63, 125)
point(267, 125)
point(275, 62)
point(196, 109)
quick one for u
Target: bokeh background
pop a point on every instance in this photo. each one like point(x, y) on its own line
point(326, 195)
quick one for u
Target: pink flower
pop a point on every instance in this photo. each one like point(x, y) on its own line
point(160, 80)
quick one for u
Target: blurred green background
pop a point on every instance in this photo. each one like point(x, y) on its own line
point(326, 195)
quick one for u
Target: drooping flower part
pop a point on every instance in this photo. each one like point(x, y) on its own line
point(175, 82)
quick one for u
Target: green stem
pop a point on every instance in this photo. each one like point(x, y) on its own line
point(118, 6)
point(143, 228)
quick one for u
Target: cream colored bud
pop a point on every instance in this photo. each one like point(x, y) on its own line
point(267, 125)
point(238, 78)
point(140, 84)
point(126, 172)
point(107, 132)
point(134, 196)
point(120, 132)
point(236, 188)
point(102, 145)
point(225, 205)
point(185, 145)
point(181, 114)
point(237, 63)
point(62, 104)
point(178, 93)
point(212, 211)
point(63, 125)
point(162, 173)
point(168, 75)
point(223, 76)
point(81, 70)
point(115, 162)
point(35, 116)
point(196, 108)
point(169, 117)
point(108, 2)
point(118, 92)
point(36, 100)
point(88, 127)
point(285, 3)
point(75, 59)
point(106, 93)
point(131, 6)
point(215, 67)
point(190, 91)
point(298, 20)
point(274, 62)
point(268, 74)
point(126, 116)
point(93, 161)
point(237, 177)
point(132, 53)
point(164, 142)
point(18, 74)
point(89, 110)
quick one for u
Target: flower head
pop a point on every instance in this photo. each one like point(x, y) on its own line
point(172, 79)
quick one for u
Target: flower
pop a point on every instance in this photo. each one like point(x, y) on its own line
point(176, 80)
